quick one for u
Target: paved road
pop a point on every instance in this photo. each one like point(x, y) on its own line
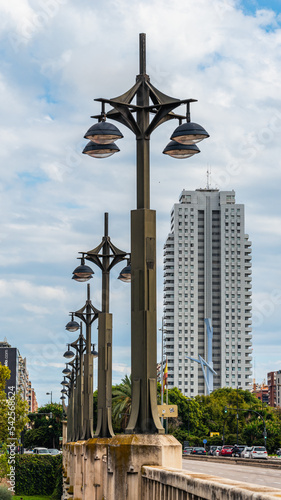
point(245, 473)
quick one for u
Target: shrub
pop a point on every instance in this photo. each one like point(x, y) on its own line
point(4, 468)
point(5, 494)
point(38, 475)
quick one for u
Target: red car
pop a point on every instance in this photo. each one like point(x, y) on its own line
point(226, 451)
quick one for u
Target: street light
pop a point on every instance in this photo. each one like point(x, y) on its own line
point(149, 101)
point(88, 314)
point(49, 394)
point(100, 150)
point(78, 396)
point(82, 272)
point(103, 132)
point(180, 151)
point(72, 326)
point(71, 394)
point(66, 370)
point(105, 256)
point(125, 274)
point(68, 354)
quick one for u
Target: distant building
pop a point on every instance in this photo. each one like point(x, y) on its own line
point(31, 399)
point(158, 368)
point(274, 388)
point(278, 388)
point(271, 382)
point(207, 274)
point(10, 357)
point(261, 391)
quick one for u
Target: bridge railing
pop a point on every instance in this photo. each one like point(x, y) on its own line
point(159, 483)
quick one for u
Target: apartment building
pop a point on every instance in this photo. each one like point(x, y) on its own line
point(207, 274)
point(11, 357)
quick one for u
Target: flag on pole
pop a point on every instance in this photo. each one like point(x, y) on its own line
point(165, 375)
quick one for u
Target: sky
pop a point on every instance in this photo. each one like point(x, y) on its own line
point(56, 57)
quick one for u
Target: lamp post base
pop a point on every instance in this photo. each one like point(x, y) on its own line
point(128, 453)
point(112, 467)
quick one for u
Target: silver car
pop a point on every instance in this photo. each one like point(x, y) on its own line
point(246, 452)
point(41, 451)
point(258, 452)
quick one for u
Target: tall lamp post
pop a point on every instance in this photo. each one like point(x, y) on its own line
point(144, 417)
point(88, 314)
point(80, 346)
point(50, 394)
point(105, 256)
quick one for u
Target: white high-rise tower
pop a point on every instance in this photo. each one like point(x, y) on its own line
point(207, 274)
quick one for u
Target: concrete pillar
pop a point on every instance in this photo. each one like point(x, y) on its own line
point(110, 468)
point(64, 432)
point(128, 453)
point(95, 469)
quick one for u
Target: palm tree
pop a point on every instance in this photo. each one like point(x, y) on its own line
point(121, 402)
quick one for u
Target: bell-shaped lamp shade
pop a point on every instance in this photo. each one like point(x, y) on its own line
point(66, 371)
point(62, 397)
point(125, 274)
point(103, 133)
point(80, 279)
point(83, 271)
point(99, 150)
point(72, 326)
point(177, 150)
point(68, 354)
point(63, 391)
point(94, 352)
point(64, 382)
point(189, 133)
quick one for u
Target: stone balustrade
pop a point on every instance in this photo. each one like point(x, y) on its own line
point(144, 467)
point(160, 483)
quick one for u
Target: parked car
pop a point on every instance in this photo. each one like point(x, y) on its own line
point(237, 450)
point(54, 451)
point(278, 452)
point(197, 450)
point(187, 450)
point(41, 451)
point(246, 452)
point(212, 450)
point(226, 451)
point(258, 452)
point(217, 451)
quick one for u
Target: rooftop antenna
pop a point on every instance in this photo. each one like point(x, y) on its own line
point(208, 179)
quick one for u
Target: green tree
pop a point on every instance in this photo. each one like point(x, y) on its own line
point(121, 403)
point(218, 413)
point(5, 374)
point(13, 410)
point(46, 427)
point(189, 413)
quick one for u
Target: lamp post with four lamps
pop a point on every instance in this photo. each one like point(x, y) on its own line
point(105, 256)
point(88, 314)
point(149, 102)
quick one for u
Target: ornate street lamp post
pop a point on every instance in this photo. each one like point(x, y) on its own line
point(80, 346)
point(105, 256)
point(149, 101)
point(88, 314)
point(50, 394)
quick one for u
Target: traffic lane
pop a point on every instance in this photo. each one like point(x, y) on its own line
point(245, 473)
